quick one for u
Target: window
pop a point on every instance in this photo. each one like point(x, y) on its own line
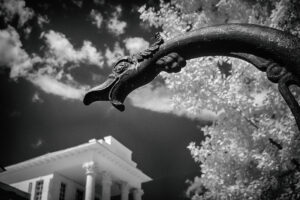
point(30, 188)
point(79, 194)
point(38, 190)
point(62, 191)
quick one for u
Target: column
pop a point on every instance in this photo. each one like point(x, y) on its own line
point(137, 194)
point(90, 180)
point(106, 186)
point(124, 191)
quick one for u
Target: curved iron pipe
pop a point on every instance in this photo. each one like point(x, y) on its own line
point(226, 40)
point(270, 50)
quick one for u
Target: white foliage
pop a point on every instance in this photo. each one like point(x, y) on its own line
point(239, 158)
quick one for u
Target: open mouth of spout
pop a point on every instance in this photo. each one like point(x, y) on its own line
point(104, 92)
point(100, 92)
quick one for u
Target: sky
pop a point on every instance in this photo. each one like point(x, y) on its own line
point(51, 53)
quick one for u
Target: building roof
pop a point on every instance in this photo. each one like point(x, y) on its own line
point(108, 154)
point(12, 192)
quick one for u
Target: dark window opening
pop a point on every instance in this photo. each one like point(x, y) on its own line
point(62, 191)
point(79, 194)
point(38, 190)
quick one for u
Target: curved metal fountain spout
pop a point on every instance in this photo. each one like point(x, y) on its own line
point(270, 50)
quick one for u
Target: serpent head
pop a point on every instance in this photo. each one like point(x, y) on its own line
point(123, 70)
point(128, 74)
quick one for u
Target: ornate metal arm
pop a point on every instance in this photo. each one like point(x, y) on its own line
point(270, 50)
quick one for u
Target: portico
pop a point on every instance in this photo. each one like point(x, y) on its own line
point(92, 171)
point(95, 170)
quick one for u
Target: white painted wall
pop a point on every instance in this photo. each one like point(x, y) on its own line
point(24, 185)
point(51, 187)
point(71, 187)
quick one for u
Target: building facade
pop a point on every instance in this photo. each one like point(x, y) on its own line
point(97, 170)
point(8, 192)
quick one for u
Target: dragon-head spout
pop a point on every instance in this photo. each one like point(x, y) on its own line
point(110, 90)
point(127, 75)
point(132, 72)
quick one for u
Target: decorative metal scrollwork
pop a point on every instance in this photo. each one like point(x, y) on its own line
point(284, 82)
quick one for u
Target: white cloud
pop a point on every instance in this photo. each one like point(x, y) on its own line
point(78, 3)
point(114, 25)
point(145, 26)
point(112, 55)
point(90, 54)
point(52, 86)
point(61, 51)
point(48, 78)
point(136, 44)
point(99, 2)
point(98, 77)
point(97, 18)
point(12, 8)
point(12, 55)
point(118, 11)
point(41, 20)
point(159, 99)
point(27, 31)
point(152, 98)
point(36, 98)
point(38, 143)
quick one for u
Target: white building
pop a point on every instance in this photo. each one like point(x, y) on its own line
point(95, 170)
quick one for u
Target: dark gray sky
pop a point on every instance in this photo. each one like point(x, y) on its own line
point(41, 109)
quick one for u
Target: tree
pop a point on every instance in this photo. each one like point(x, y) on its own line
point(251, 149)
